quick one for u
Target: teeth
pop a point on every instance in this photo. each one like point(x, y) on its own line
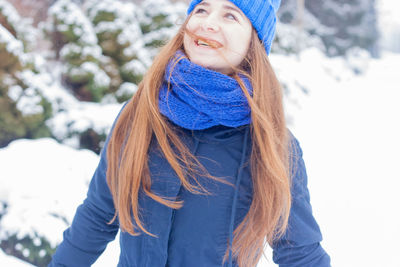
point(199, 42)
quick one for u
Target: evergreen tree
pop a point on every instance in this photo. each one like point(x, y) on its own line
point(77, 45)
point(339, 24)
point(23, 109)
point(159, 21)
point(352, 20)
point(117, 27)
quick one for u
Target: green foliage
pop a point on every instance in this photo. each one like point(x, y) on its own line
point(10, 52)
point(111, 68)
point(79, 50)
point(20, 28)
point(131, 76)
point(102, 46)
point(14, 124)
point(124, 97)
point(156, 43)
point(88, 81)
point(68, 20)
point(78, 77)
point(158, 21)
point(9, 62)
point(126, 91)
point(35, 250)
point(103, 15)
point(90, 139)
point(112, 46)
point(68, 32)
point(76, 55)
point(154, 27)
point(133, 71)
point(102, 54)
point(117, 28)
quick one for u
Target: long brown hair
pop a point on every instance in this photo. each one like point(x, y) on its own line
point(127, 154)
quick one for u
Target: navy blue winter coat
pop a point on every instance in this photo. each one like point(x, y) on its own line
point(197, 234)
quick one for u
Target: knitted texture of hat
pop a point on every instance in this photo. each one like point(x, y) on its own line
point(261, 13)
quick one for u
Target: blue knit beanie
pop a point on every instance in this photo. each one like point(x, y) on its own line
point(261, 13)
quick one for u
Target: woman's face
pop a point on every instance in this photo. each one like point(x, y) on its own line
point(217, 27)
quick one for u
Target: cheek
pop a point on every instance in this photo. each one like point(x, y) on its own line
point(186, 41)
point(245, 41)
point(192, 24)
point(240, 42)
point(188, 46)
point(186, 37)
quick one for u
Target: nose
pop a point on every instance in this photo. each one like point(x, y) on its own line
point(210, 23)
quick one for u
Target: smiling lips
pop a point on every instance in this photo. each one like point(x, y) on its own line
point(204, 41)
point(207, 42)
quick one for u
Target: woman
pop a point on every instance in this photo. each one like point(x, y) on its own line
point(199, 169)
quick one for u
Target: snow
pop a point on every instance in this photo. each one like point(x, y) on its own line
point(9, 261)
point(389, 23)
point(22, 26)
point(346, 124)
point(28, 100)
point(343, 112)
point(126, 89)
point(349, 132)
point(135, 66)
point(123, 13)
point(84, 116)
point(70, 115)
point(93, 51)
point(29, 104)
point(41, 179)
point(9, 12)
point(12, 45)
point(101, 79)
point(174, 11)
point(70, 16)
point(15, 92)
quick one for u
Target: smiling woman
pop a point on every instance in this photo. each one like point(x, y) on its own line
point(200, 169)
point(217, 36)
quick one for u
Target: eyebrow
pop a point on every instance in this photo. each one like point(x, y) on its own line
point(204, 3)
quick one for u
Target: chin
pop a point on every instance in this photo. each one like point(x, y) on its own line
point(205, 64)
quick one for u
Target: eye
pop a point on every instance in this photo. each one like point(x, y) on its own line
point(199, 10)
point(230, 16)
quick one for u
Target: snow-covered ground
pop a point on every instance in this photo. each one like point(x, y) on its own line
point(347, 125)
point(350, 134)
point(7, 261)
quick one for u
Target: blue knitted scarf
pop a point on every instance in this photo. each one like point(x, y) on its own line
point(199, 98)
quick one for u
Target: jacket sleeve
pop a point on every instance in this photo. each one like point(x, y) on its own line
point(300, 245)
point(90, 231)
